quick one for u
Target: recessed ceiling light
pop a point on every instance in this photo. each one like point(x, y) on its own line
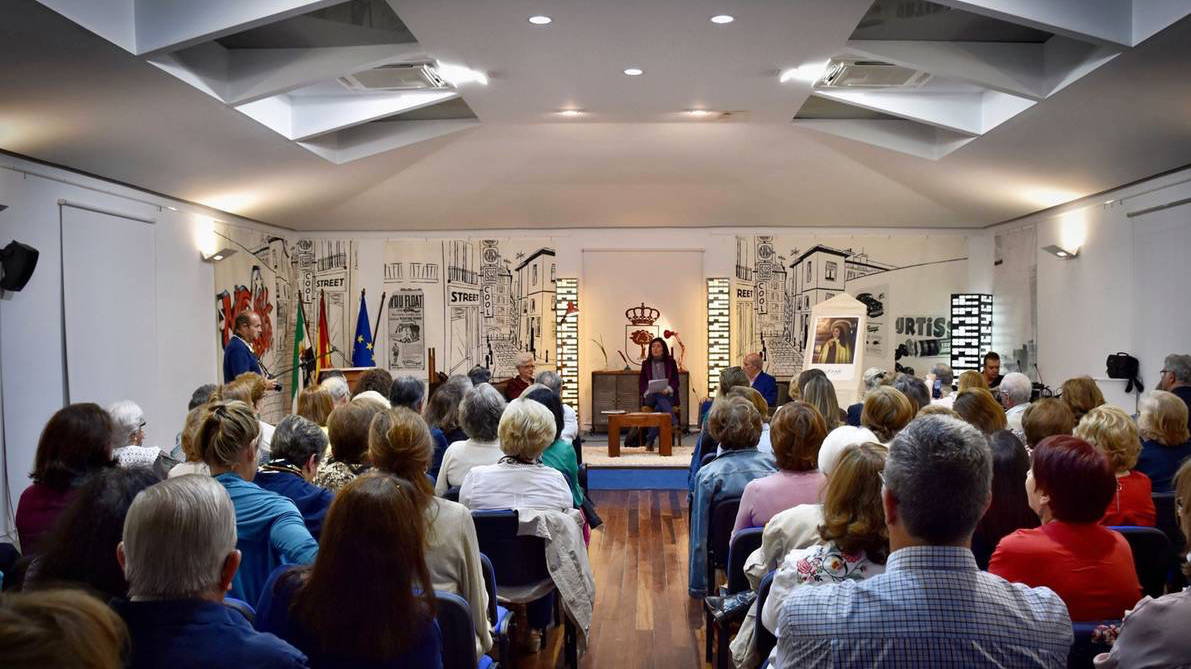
point(540, 20)
point(570, 112)
point(634, 71)
point(722, 18)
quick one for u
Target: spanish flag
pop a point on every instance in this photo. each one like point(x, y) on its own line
point(324, 337)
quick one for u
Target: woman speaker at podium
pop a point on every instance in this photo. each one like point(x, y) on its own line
point(658, 383)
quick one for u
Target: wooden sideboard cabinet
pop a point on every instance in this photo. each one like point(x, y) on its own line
point(611, 390)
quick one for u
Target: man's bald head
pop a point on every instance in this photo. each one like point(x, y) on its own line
point(751, 364)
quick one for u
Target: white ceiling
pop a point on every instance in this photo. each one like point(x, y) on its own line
point(73, 98)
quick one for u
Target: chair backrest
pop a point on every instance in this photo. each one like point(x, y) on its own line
point(763, 639)
point(489, 585)
point(719, 530)
point(743, 544)
point(1151, 556)
point(706, 459)
point(452, 494)
point(1167, 522)
point(515, 560)
point(1084, 649)
point(244, 608)
point(458, 633)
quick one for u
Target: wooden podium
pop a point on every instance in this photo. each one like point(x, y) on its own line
point(352, 374)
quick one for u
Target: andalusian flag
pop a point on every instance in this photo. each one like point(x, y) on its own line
point(300, 344)
point(362, 347)
point(324, 337)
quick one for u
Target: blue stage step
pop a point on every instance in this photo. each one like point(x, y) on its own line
point(642, 478)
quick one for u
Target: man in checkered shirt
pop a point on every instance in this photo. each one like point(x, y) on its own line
point(932, 607)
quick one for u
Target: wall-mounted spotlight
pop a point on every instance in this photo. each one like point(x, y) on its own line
point(218, 255)
point(1060, 252)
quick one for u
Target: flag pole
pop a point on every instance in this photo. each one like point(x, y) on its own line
point(376, 328)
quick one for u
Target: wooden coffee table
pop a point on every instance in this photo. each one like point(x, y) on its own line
point(639, 419)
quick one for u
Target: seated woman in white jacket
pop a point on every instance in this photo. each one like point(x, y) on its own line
point(519, 480)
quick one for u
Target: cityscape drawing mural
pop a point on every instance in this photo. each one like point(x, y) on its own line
point(778, 279)
point(481, 302)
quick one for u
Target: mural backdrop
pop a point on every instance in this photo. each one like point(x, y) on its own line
point(904, 281)
point(476, 302)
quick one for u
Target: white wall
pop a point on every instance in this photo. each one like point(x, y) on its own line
point(31, 348)
point(1126, 291)
point(669, 281)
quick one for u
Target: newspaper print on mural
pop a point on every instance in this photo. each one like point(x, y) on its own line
point(483, 302)
point(778, 279)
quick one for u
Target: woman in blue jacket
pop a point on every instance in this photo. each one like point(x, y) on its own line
point(270, 531)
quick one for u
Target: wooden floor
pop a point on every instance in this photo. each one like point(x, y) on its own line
point(643, 615)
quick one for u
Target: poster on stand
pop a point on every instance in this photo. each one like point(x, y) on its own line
point(836, 345)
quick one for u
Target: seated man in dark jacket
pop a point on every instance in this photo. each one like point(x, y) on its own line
point(298, 447)
point(179, 557)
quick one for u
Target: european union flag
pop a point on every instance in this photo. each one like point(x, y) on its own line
point(362, 348)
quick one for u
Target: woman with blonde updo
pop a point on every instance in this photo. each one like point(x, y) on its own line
point(270, 530)
point(1113, 433)
point(399, 443)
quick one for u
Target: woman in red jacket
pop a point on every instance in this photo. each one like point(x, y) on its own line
point(1089, 566)
point(1114, 433)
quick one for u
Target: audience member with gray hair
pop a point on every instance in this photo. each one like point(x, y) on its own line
point(1175, 376)
point(570, 419)
point(519, 480)
point(298, 447)
point(933, 605)
point(945, 384)
point(1015, 391)
point(410, 392)
point(736, 425)
point(128, 440)
point(524, 364)
point(336, 384)
point(479, 414)
point(914, 388)
point(179, 557)
point(479, 375)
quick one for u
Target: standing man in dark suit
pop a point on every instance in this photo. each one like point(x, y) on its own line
point(237, 355)
point(760, 381)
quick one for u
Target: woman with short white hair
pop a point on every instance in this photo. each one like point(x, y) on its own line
point(519, 479)
point(128, 440)
point(479, 416)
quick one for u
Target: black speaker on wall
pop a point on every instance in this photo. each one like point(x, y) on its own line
point(18, 261)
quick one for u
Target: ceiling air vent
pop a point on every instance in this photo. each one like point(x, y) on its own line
point(394, 78)
point(870, 74)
